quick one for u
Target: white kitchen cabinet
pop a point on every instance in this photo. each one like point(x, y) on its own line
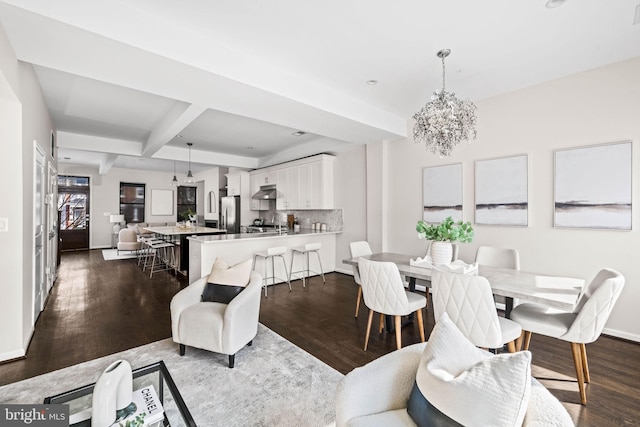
point(316, 184)
point(234, 184)
point(287, 188)
point(301, 184)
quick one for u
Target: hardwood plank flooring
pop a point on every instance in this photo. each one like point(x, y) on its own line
point(98, 308)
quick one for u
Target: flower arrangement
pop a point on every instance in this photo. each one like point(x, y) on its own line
point(447, 231)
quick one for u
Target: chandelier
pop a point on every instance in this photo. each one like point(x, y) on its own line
point(445, 121)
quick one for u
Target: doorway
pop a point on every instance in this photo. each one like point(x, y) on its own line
point(52, 225)
point(40, 291)
point(73, 204)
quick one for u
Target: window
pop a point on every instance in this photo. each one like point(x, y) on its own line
point(186, 201)
point(132, 201)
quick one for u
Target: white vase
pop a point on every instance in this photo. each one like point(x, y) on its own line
point(441, 252)
point(112, 391)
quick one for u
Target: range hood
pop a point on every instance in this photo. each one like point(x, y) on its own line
point(267, 192)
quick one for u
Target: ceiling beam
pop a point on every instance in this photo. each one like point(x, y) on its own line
point(99, 144)
point(178, 118)
point(106, 163)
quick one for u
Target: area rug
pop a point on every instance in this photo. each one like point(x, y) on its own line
point(112, 254)
point(273, 383)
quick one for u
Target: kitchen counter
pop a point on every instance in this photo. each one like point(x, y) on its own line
point(235, 248)
point(254, 236)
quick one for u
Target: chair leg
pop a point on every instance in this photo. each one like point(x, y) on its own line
point(182, 349)
point(398, 332)
point(284, 264)
point(585, 364)
point(420, 324)
point(519, 341)
point(232, 360)
point(527, 340)
point(511, 346)
point(320, 264)
point(366, 339)
point(577, 360)
point(381, 326)
point(358, 300)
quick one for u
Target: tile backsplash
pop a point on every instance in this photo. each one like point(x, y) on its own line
point(331, 217)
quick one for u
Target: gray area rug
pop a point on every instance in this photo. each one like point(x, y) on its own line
point(112, 254)
point(274, 383)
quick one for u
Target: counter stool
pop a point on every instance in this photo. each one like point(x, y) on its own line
point(271, 253)
point(305, 250)
point(163, 257)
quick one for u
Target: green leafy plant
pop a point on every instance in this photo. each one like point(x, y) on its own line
point(446, 231)
point(186, 214)
point(137, 422)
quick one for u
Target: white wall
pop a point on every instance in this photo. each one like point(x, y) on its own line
point(593, 107)
point(350, 195)
point(23, 119)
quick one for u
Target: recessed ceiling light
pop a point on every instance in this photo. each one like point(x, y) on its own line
point(554, 3)
point(67, 158)
point(251, 148)
point(179, 135)
point(372, 82)
point(298, 133)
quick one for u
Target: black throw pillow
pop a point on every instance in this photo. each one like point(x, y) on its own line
point(424, 414)
point(214, 292)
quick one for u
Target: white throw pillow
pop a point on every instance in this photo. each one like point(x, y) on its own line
point(469, 385)
point(224, 282)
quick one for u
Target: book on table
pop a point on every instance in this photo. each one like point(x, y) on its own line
point(145, 410)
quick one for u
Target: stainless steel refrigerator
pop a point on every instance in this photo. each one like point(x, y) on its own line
point(230, 214)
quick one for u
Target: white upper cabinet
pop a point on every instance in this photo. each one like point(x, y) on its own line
point(234, 184)
point(301, 184)
point(287, 188)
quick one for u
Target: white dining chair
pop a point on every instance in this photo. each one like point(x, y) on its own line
point(468, 301)
point(582, 326)
point(383, 292)
point(358, 249)
point(499, 257)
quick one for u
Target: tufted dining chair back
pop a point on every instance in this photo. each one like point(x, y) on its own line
point(382, 287)
point(468, 301)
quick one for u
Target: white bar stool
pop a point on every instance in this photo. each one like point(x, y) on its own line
point(305, 250)
point(271, 253)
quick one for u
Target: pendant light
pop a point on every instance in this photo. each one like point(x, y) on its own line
point(445, 121)
point(189, 179)
point(174, 181)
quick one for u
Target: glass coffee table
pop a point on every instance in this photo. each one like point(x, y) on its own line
point(176, 412)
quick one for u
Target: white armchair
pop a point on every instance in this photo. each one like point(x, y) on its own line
point(128, 241)
point(377, 394)
point(214, 326)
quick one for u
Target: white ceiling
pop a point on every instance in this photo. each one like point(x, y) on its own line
point(123, 78)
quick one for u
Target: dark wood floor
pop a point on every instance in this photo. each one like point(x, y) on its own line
point(98, 308)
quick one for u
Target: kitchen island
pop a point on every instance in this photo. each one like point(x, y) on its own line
point(178, 236)
point(235, 248)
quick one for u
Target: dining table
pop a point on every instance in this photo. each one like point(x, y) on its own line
point(553, 291)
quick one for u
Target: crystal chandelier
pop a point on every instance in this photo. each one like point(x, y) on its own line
point(445, 121)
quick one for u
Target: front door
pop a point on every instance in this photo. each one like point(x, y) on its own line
point(73, 204)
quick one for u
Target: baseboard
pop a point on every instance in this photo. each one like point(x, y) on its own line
point(345, 271)
point(621, 334)
point(12, 355)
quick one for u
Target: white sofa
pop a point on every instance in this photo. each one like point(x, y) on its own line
point(376, 394)
point(214, 326)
